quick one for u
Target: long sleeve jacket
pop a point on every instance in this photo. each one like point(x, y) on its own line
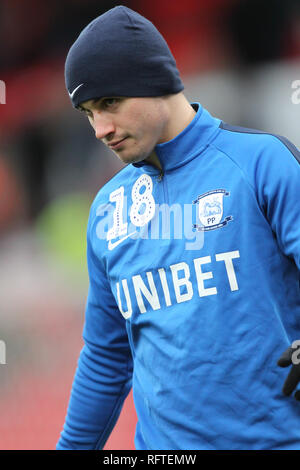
point(194, 294)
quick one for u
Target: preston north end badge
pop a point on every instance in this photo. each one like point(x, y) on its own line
point(210, 210)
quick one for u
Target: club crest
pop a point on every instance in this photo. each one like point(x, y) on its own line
point(210, 210)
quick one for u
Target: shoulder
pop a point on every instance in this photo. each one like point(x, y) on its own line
point(247, 146)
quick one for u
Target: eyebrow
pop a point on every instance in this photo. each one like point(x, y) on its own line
point(94, 101)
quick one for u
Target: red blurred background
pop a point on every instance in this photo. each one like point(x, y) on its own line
point(238, 57)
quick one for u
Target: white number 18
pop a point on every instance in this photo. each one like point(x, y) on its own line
point(140, 200)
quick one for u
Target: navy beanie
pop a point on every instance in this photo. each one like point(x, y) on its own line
point(120, 53)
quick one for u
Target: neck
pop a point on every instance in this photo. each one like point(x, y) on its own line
point(180, 114)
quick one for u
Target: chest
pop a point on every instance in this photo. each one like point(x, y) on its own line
point(187, 227)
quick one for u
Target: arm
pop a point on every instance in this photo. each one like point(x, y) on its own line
point(277, 176)
point(103, 376)
point(280, 198)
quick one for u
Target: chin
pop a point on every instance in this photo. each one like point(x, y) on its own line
point(131, 158)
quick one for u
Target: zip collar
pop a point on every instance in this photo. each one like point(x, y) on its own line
point(186, 145)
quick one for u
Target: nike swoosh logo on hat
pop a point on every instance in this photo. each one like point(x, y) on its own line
point(74, 91)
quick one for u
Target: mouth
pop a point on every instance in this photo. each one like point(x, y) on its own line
point(116, 144)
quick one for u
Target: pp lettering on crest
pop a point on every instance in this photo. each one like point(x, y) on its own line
point(210, 210)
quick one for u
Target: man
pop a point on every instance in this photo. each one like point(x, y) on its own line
point(193, 315)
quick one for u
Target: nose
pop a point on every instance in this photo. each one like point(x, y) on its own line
point(103, 125)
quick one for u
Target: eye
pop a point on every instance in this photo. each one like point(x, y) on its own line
point(86, 112)
point(110, 102)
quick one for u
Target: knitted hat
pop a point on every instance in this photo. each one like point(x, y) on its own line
point(120, 53)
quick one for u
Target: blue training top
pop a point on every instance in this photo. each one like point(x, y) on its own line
point(194, 295)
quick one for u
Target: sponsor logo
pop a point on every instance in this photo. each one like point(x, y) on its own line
point(112, 245)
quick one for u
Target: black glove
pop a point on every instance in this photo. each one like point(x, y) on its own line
point(291, 357)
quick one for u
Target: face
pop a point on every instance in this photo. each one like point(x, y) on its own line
point(130, 127)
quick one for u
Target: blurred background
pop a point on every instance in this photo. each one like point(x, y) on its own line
point(239, 58)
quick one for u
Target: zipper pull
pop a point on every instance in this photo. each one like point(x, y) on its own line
point(160, 177)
